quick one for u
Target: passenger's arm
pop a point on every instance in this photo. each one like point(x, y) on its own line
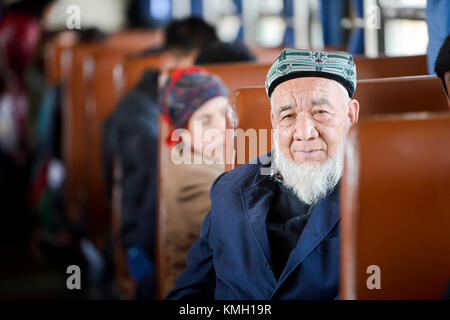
point(198, 279)
point(193, 198)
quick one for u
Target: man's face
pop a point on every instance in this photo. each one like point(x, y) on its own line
point(212, 118)
point(312, 116)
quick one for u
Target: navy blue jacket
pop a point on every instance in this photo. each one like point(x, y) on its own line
point(232, 259)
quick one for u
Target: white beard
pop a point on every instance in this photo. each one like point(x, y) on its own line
point(310, 182)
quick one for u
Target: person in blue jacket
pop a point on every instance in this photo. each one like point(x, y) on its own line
point(438, 22)
point(273, 228)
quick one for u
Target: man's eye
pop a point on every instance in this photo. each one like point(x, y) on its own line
point(321, 114)
point(287, 116)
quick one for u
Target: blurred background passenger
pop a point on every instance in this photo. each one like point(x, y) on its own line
point(195, 101)
point(137, 115)
point(438, 19)
point(183, 40)
point(442, 66)
point(222, 52)
point(131, 135)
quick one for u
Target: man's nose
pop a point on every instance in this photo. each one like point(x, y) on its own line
point(305, 128)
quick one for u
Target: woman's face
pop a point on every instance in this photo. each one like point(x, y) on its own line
point(207, 127)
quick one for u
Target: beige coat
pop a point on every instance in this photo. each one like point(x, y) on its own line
point(187, 200)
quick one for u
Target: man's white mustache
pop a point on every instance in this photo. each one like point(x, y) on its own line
point(310, 182)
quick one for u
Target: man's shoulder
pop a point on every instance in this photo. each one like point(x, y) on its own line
point(243, 177)
point(189, 175)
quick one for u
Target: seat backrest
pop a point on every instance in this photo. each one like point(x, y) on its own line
point(376, 96)
point(387, 67)
point(402, 94)
point(73, 127)
point(395, 209)
point(235, 75)
point(246, 74)
point(125, 282)
point(100, 101)
point(88, 97)
point(252, 126)
point(54, 55)
point(265, 55)
point(136, 38)
point(133, 68)
point(240, 74)
point(161, 218)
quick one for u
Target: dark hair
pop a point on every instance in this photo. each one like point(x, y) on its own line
point(33, 7)
point(3, 85)
point(189, 34)
point(138, 15)
point(92, 34)
point(442, 64)
point(221, 52)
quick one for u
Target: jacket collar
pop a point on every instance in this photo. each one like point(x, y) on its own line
point(257, 200)
point(324, 217)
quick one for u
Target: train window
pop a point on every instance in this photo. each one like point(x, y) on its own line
point(160, 10)
point(405, 37)
point(228, 28)
point(181, 9)
point(403, 27)
point(270, 31)
point(271, 7)
point(225, 16)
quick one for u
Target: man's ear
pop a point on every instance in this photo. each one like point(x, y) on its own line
point(272, 119)
point(353, 111)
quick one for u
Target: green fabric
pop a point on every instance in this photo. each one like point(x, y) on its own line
point(295, 63)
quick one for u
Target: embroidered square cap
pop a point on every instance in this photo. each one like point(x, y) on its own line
point(296, 63)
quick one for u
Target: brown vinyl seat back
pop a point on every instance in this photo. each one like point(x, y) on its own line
point(88, 98)
point(74, 127)
point(234, 75)
point(240, 74)
point(388, 67)
point(252, 126)
point(265, 55)
point(402, 94)
point(125, 282)
point(247, 74)
point(101, 100)
point(376, 96)
point(395, 209)
point(132, 68)
point(161, 218)
point(136, 37)
point(55, 51)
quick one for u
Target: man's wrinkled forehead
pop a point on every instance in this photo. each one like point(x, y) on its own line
point(309, 88)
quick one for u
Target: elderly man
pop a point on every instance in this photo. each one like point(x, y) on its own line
point(277, 236)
